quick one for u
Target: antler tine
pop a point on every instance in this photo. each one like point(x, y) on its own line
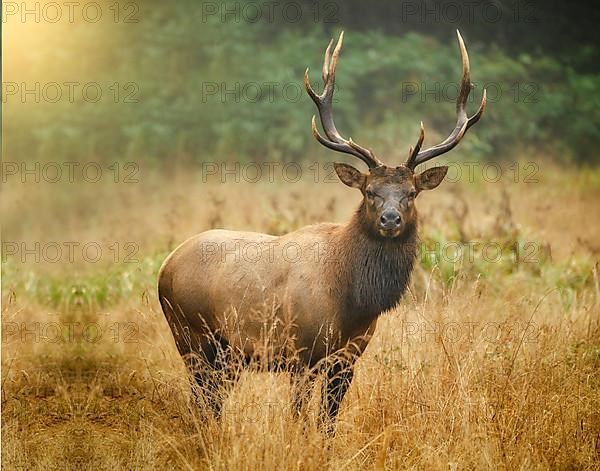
point(463, 122)
point(465, 83)
point(326, 61)
point(326, 142)
point(412, 153)
point(335, 56)
point(324, 102)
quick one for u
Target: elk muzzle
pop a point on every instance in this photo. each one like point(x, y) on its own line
point(390, 222)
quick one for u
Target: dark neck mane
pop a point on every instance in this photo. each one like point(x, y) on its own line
point(372, 271)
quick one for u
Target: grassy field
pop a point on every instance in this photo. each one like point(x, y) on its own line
point(492, 360)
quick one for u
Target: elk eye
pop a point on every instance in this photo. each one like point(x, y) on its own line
point(412, 194)
point(370, 194)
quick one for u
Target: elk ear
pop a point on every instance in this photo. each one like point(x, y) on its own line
point(431, 178)
point(350, 176)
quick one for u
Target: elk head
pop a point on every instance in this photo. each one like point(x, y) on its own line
point(389, 192)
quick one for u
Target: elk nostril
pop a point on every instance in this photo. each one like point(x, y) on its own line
point(390, 219)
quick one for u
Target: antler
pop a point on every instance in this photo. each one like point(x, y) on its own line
point(324, 104)
point(463, 123)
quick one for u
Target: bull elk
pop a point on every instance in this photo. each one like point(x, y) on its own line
point(211, 294)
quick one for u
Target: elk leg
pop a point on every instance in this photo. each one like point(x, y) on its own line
point(207, 355)
point(213, 371)
point(338, 376)
point(302, 384)
point(200, 352)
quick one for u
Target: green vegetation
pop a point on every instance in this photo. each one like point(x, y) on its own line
point(189, 85)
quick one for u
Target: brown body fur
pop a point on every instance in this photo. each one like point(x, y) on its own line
point(327, 282)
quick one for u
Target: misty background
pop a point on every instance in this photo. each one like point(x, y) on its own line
point(222, 81)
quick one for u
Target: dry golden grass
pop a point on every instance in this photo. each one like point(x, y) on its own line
point(496, 366)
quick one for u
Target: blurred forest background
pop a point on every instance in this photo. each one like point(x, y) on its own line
point(222, 81)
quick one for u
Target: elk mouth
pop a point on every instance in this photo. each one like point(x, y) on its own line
point(390, 233)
